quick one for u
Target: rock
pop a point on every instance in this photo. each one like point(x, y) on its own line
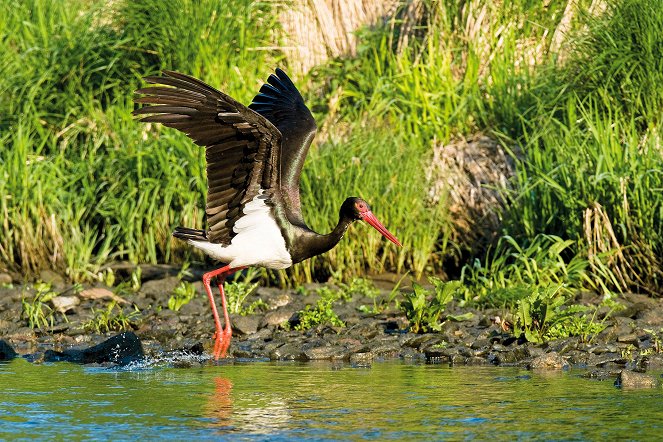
point(549, 361)
point(121, 349)
point(362, 359)
point(630, 338)
point(600, 375)
point(653, 361)
point(287, 352)
point(324, 352)
point(50, 277)
point(5, 278)
point(101, 293)
point(6, 351)
point(162, 288)
point(476, 361)
point(632, 379)
point(245, 325)
point(63, 304)
point(277, 317)
point(606, 358)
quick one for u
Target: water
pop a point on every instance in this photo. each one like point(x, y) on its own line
point(260, 401)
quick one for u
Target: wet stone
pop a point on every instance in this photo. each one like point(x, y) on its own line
point(476, 361)
point(632, 379)
point(606, 358)
point(362, 359)
point(437, 354)
point(325, 352)
point(600, 375)
point(6, 351)
point(549, 361)
point(287, 352)
point(120, 349)
point(653, 362)
point(5, 278)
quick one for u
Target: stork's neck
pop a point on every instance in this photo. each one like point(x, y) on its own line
point(312, 244)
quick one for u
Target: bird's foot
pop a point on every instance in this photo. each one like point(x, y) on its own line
point(221, 344)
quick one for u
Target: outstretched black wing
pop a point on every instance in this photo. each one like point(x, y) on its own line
point(281, 103)
point(241, 146)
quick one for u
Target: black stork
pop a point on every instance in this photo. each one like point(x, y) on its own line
point(254, 159)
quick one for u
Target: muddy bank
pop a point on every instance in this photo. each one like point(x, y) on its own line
point(365, 334)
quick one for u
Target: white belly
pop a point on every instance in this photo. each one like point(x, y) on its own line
point(258, 240)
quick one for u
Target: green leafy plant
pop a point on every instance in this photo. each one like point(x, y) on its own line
point(544, 315)
point(182, 295)
point(237, 292)
point(36, 310)
point(322, 313)
point(112, 318)
point(423, 308)
point(380, 305)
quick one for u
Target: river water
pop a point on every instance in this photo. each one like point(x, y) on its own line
point(286, 401)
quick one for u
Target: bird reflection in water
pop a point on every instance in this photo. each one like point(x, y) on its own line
point(219, 407)
point(254, 413)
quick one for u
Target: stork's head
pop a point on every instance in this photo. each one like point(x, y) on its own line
point(357, 209)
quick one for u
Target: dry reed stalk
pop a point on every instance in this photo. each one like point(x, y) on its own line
point(316, 30)
point(475, 172)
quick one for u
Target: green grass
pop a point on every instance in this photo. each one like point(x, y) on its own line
point(82, 183)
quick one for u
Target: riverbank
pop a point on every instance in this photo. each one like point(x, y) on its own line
point(358, 328)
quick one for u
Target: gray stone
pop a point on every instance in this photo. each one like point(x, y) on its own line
point(245, 325)
point(324, 352)
point(162, 288)
point(632, 379)
point(630, 338)
point(278, 316)
point(549, 361)
point(287, 352)
point(362, 359)
point(653, 361)
point(476, 361)
point(63, 304)
point(437, 354)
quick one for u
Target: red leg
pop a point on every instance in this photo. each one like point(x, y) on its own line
point(227, 333)
point(221, 336)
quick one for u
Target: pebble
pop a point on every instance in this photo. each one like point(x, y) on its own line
point(63, 304)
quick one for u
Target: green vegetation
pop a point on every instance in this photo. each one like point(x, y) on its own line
point(238, 291)
point(323, 311)
point(36, 310)
point(573, 91)
point(422, 310)
point(182, 295)
point(112, 318)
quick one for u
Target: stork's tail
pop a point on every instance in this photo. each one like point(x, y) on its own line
point(188, 234)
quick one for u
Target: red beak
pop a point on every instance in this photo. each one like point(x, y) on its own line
point(373, 221)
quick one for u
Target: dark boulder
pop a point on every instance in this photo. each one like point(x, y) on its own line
point(6, 351)
point(121, 349)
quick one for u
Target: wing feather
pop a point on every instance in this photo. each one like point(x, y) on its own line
point(281, 103)
point(242, 146)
